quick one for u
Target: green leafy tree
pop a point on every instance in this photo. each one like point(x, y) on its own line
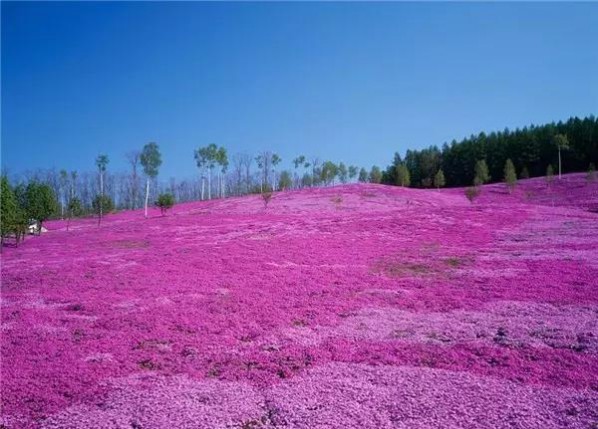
point(40, 203)
point(363, 175)
point(353, 172)
point(375, 175)
point(562, 143)
point(328, 172)
point(210, 154)
point(165, 202)
point(22, 218)
point(439, 180)
point(8, 209)
point(201, 160)
point(510, 175)
point(482, 174)
point(151, 160)
point(403, 176)
point(102, 164)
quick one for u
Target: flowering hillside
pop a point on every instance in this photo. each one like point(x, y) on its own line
point(358, 306)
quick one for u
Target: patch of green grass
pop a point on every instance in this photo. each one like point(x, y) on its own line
point(400, 268)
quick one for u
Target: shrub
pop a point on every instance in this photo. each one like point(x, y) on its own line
point(337, 200)
point(472, 192)
point(165, 202)
point(524, 173)
point(266, 195)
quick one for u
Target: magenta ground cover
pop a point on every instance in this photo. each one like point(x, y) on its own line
point(352, 306)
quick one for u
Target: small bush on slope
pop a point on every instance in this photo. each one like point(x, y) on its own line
point(266, 195)
point(165, 202)
point(472, 192)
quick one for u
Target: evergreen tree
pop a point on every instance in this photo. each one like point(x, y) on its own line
point(532, 147)
point(524, 173)
point(439, 180)
point(510, 175)
point(403, 177)
point(482, 175)
point(165, 202)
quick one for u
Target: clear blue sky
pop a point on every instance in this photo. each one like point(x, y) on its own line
point(342, 81)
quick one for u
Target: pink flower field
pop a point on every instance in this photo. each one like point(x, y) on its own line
point(356, 306)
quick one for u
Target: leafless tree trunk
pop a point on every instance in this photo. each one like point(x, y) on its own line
point(147, 188)
point(133, 159)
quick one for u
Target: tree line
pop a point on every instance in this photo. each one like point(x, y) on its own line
point(564, 146)
point(483, 158)
point(34, 197)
